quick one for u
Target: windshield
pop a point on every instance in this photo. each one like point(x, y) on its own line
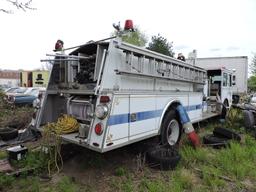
point(20, 90)
point(33, 91)
point(11, 90)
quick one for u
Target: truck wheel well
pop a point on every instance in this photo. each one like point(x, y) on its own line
point(172, 106)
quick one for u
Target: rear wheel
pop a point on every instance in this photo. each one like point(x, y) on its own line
point(170, 129)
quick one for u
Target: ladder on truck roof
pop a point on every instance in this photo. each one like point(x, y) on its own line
point(146, 63)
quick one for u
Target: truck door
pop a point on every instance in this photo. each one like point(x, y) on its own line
point(226, 87)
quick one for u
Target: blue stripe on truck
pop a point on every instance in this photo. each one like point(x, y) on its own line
point(144, 115)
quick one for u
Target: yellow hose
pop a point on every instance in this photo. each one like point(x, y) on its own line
point(51, 137)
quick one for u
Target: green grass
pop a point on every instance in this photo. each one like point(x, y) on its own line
point(6, 181)
point(67, 185)
point(3, 155)
point(191, 157)
point(182, 179)
point(237, 160)
point(120, 171)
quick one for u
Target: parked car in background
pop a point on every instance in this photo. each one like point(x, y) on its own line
point(27, 97)
point(11, 89)
point(14, 91)
point(3, 88)
point(253, 99)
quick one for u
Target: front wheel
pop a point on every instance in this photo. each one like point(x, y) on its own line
point(170, 129)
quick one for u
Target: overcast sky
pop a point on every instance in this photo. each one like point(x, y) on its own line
point(212, 27)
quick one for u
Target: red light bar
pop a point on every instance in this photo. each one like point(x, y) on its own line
point(128, 25)
point(104, 99)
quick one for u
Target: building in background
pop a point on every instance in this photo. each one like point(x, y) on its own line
point(239, 64)
point(9, 78)
point(34, 78)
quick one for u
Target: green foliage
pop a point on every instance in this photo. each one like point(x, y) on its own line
point(120, 171)
point(34, 160)
point(253, 65)
point(67, 185)
point(127, 186)
point(252, 83)
point(5, 181)
point(237, 161)
point(182, 179)
point(136, 38)
point(211, 178)
point(235, 119)
point(3, 155)
point(161, 45)
point(28, 184)
point(153, 186)
point(122, 184)
point(190, 156)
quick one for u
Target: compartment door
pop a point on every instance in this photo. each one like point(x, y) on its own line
point(143, 115)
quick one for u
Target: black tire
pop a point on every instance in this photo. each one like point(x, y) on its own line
point(163, 157)
point(249, 120)
point(170, 118)
point(226, 133)
point(8, 133)
point(214, 141)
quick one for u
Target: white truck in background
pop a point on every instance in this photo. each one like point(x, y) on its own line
point(238, 64)
point(121, 94)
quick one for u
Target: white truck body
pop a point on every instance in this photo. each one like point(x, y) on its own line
point(135, 87)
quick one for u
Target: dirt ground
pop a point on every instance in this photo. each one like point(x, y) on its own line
point(91, 168)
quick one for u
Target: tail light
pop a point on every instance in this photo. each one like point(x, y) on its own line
point(98, 129)
point(104, 99)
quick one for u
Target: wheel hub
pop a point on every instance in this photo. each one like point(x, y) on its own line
point(173, 132)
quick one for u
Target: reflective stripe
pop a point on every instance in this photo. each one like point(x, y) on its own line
point(144, 115)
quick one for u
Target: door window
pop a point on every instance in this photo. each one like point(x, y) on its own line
point(225, 80)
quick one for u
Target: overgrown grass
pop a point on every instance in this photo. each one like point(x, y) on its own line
point(35, 161)
point(10, 114)
point(3, 155)
point(238, 161)
point(67, 185)
point(191, 157)
point(6, 182)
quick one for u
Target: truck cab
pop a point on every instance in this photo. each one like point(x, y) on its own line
point(220, 86)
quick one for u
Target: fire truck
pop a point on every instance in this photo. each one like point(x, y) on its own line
point(121, 94)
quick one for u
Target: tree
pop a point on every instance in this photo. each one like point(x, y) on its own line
point(137, 37)
point(161, 45)
point(252, 80)
point(19, 4)
point(253, 65)
point(252, 83)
